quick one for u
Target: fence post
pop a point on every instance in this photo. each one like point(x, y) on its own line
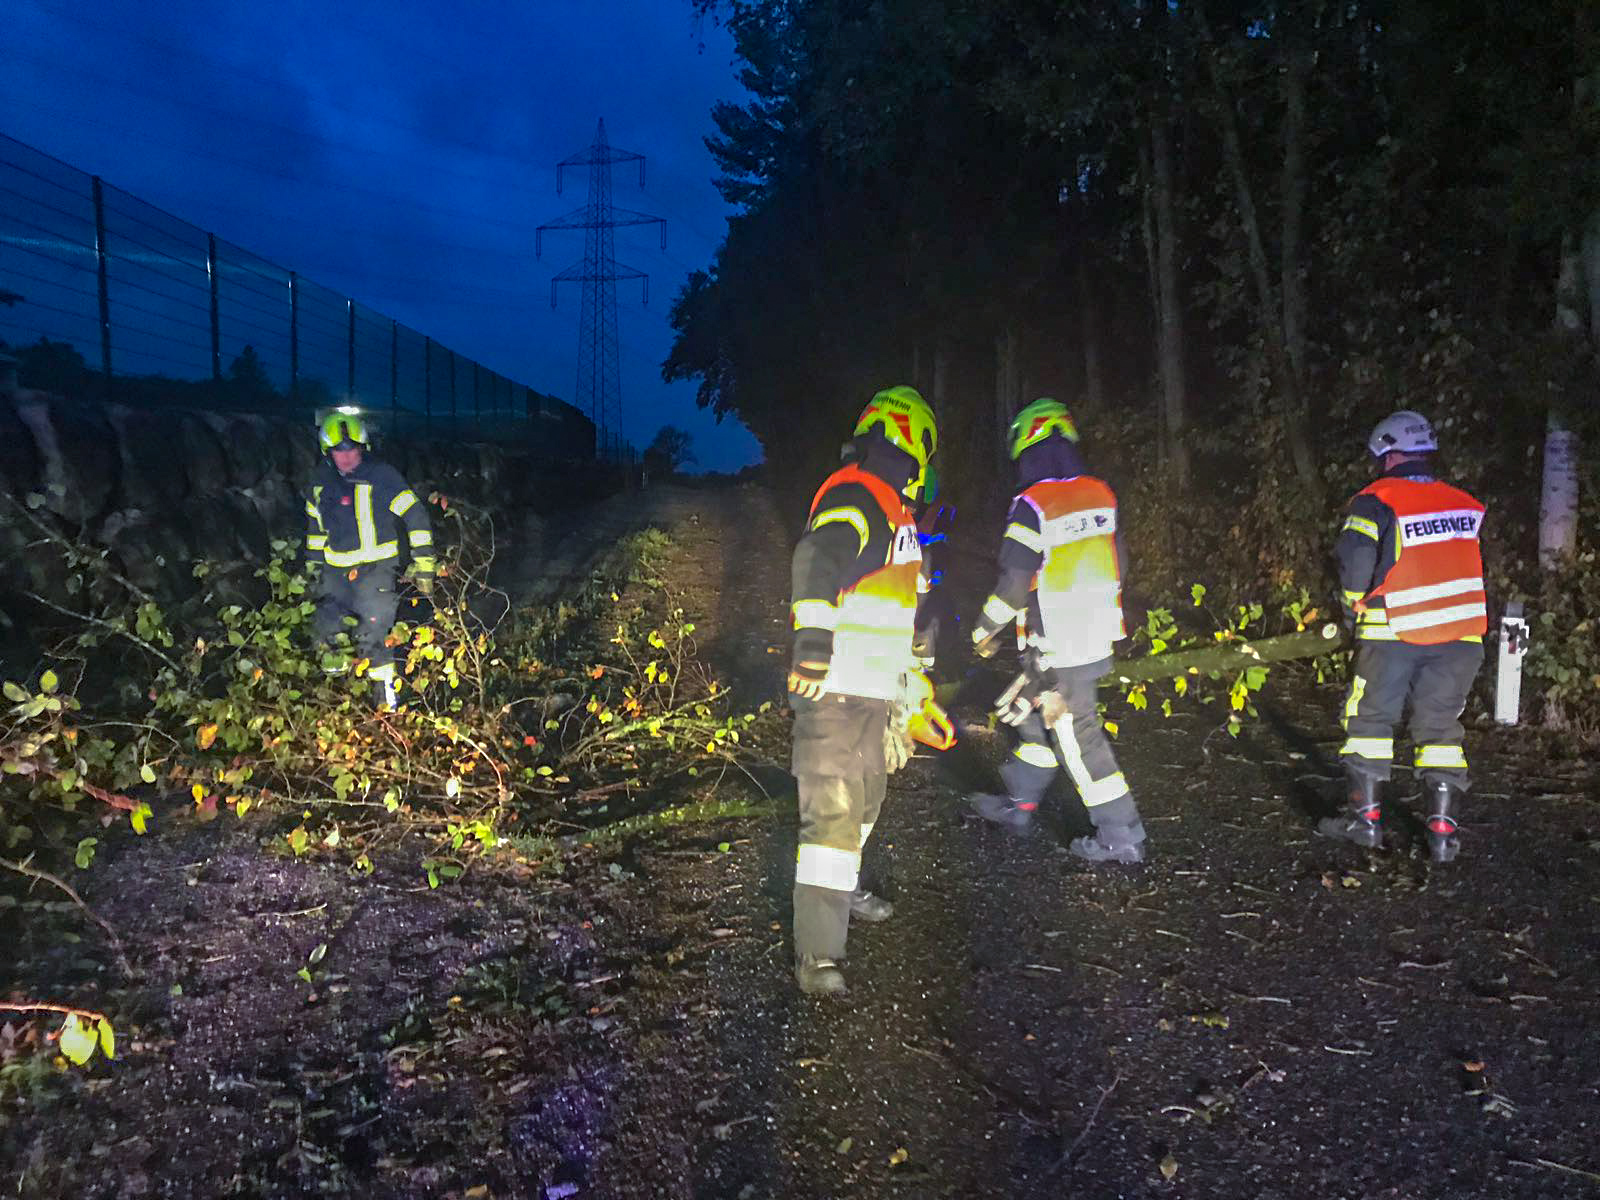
point(452, 392)
point(394, 367)
point(294, 338)
point(100, 271)
point(350, 385)
point(216, 324)
point(427, 384)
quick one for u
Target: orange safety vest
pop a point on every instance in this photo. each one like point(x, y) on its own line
point(878, 611)
point(1433, 593)
point(1078, 588)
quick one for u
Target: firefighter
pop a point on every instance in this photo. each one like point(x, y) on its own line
point(356, 511)
point(1061, 575)
point(1411, 580)
point(856, 574)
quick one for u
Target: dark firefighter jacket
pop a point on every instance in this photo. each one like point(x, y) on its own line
point(356, 520)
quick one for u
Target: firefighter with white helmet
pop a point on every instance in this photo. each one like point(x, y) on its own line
point(1411, 579)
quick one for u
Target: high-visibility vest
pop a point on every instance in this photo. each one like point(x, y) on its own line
point(1078, 588)
point(1434, 590)
point(877, 611)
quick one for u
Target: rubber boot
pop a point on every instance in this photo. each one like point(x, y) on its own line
point(1118, 834)
point(1443, 844)
point(821, 925)
point(1003, 811)
point(865, 906)
point(1362, 823)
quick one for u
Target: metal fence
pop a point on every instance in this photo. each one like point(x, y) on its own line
point(140, 307)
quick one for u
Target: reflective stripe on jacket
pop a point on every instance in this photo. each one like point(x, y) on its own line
point(875, 613)
point(1079, 588)
point(356, 520)
point(1433, 590)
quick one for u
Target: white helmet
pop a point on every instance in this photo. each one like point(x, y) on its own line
point(1405, 432)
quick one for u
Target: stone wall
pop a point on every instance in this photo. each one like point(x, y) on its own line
point(158, 489)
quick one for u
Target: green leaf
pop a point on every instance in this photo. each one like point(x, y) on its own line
point(139, 817)
point(318, 954)
point(48, 683)
point(85, 855)
point(304, 973)
point(147, 773)
point(14, 693)
point(1198, 591)
point(76, 1042)
point(108, 1038)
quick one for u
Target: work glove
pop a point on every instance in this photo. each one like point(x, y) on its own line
point(424, 585)
point(923, 644)
point(809, 680)
point(898, 745)
point(985, 642)
point(1017, 701)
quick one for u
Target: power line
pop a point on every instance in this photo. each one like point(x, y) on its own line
point(259, 169)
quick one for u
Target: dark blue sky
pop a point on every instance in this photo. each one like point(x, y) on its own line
point(404, 152)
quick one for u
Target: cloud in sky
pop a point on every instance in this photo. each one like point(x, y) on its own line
point(404, 153)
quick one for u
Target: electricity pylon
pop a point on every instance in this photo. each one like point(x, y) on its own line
point(599, 379)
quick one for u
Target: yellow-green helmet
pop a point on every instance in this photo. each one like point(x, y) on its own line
point(1038, 421)
point(906, 419)
point(338, 428)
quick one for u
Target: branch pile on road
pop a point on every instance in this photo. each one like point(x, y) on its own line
point(519, 722)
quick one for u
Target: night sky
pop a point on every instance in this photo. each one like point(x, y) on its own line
point(404, 152)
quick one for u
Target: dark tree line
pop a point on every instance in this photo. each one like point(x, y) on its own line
point(1231, 235)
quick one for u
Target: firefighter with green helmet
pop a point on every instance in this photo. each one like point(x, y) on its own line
point(856, 580)
point(357, 513)
point(1061, 578)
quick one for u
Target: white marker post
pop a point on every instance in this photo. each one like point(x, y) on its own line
point(1508, 677)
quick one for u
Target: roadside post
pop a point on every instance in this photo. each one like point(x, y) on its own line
point(1508, 675)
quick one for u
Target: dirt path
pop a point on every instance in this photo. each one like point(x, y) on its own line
point(1254, 1013)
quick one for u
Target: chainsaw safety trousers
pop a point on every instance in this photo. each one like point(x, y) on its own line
point(1436, 680)
point(839, 768)
point(1077, 741)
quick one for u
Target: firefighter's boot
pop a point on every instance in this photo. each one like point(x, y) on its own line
point(870, 907)
point(819, 977)
point(1118, 834)
point(1010, 814)
point(1443, 844)
point(821, 926)
point(1362, 820)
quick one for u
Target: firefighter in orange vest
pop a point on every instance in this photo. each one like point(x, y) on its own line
point(1061, 571)
point(1411, 579)
point(856, 576)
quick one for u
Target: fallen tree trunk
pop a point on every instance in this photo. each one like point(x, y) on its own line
point(1223, 656)
point(1226, 656)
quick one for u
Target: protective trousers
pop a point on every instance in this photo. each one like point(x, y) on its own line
point(370, 598)
point(1437, 680)
point(839, 767)
point(1084, 749)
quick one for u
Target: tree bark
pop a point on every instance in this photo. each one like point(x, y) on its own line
point(1297, 67)
point(1558, 493)
point(1171, 312)
point(1577, 282)
point(1005, 391)
point(1226, 656)
point(1291, 399)
point(1094, 385)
